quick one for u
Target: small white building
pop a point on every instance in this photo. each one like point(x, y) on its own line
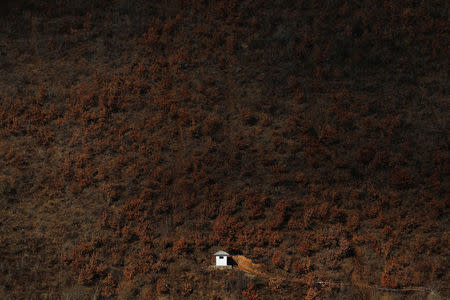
point(221, 258)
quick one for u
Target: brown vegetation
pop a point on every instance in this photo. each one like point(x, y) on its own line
point(136, 137)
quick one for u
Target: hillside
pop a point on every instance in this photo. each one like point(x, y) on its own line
point(139, 137)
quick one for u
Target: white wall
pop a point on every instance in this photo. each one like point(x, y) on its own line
point(221, 262)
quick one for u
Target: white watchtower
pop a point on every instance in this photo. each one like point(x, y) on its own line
point(221, 258)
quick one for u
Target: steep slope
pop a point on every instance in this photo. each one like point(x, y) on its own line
point(137, 137)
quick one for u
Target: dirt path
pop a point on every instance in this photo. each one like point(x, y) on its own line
point(246, 264)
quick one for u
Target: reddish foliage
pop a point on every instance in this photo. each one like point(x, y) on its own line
point(142, 135)
point(277, 259)
point(181, 245)
point(162, 287)
point(250, 293)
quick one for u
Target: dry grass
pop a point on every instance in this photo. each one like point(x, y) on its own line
point(137, 136)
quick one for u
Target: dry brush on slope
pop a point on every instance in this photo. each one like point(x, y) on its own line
point(137, 137)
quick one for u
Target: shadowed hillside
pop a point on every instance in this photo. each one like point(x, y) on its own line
point(139, 137)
